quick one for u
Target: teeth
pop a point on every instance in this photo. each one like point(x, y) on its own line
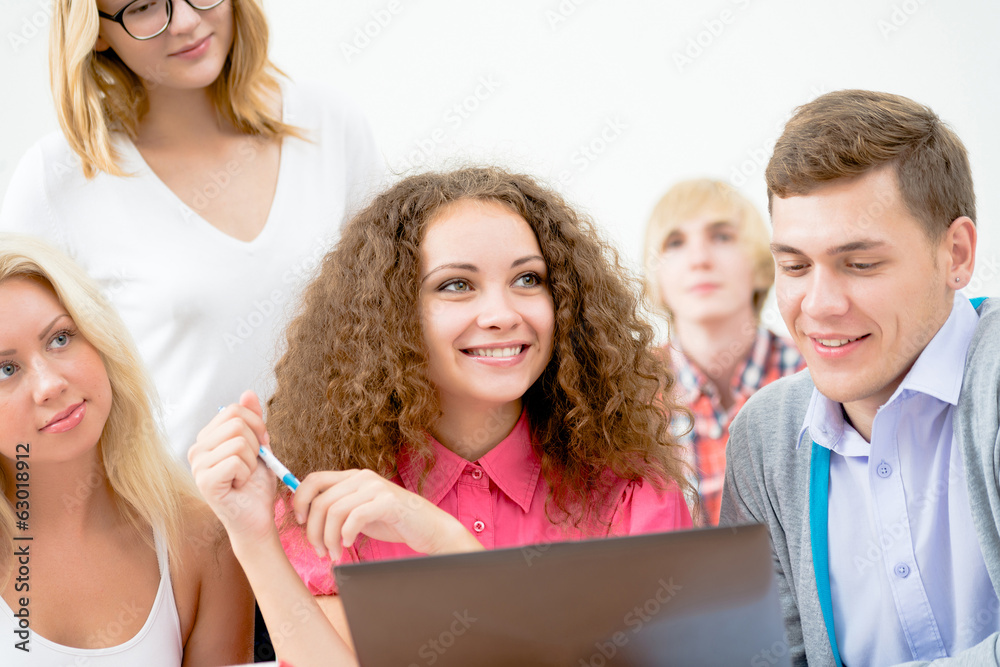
point(837, 342)
point(499, 352)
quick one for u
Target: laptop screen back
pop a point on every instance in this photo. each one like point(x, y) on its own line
point(700, 597)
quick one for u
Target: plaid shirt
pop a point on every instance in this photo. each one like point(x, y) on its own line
point(771, 357)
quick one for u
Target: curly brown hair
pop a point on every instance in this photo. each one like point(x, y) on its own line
point(352, 387)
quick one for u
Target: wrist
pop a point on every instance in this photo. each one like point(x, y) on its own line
point(248, 547)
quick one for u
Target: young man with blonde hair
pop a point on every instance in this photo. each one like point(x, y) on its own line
point(708, 270)
point(876, 471)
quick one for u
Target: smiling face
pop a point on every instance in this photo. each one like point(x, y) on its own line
point(486, 309)
point(189, 54)
point(860, 285)
point(54, 389)
point(703, 270)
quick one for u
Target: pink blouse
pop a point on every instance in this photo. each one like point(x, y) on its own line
point(501, 499)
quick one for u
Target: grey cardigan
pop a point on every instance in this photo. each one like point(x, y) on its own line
point(767, 481)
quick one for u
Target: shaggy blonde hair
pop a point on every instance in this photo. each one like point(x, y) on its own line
point(149, 485)
point(96, 94)
point(687, 199)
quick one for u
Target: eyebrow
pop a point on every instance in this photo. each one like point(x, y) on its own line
point(7, 353)
point(854, 246)
point(475, 269)
point(52, 324)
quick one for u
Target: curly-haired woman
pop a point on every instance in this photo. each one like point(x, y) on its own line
point(470, 370)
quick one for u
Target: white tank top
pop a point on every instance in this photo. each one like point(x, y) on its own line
point(157, 643)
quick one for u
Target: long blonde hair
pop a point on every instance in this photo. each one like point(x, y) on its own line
point(96, 94)
point(149, 485)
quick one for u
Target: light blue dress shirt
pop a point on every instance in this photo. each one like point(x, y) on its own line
point(907, 575)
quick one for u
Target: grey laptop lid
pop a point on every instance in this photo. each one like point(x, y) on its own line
point(698, 597)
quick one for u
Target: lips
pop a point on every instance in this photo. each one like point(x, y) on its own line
point(67, 419)
point(836, 341)
point(495, 352)
point(193, 48)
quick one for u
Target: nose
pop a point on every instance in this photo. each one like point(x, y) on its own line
point(498, 310)
point(824, 295)
point(698, 253)
point(49, 382)
point(183, 17)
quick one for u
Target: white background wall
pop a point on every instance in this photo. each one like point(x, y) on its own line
point(609, 101)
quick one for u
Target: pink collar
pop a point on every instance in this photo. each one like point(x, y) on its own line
point(513, 465)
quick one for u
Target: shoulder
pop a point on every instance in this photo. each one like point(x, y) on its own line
point(48, 172)
point(311, 105)
point(205, 559)
point(764, 436)
point(648, 508)
point(52, 158)
point(981, 381)
point(205, 543)
point(986, 339)
point(781, 404)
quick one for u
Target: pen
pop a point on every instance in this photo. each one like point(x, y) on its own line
point(276, 466)
point(279, 469)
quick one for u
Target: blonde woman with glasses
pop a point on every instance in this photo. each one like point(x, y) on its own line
point(193, 181)
point(107, 558)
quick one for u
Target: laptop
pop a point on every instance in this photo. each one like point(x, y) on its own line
point(696, 597)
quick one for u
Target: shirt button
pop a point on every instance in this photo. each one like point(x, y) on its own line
point(902, 570)
point(479, 526)
point(884, 470)
point(477, 473)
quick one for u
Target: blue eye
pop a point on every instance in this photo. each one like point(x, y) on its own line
point(61, 339)
point(7, 369)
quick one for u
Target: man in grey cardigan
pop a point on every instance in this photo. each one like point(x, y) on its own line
point(876, 469)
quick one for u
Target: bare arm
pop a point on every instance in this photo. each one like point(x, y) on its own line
point(223, 627)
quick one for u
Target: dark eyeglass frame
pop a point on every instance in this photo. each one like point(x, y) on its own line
point(118, 17)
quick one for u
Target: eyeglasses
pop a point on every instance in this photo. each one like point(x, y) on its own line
point(145, 19)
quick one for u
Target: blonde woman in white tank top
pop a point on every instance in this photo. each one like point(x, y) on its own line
point(85, 477)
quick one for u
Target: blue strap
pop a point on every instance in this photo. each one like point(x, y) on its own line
point(819, 487)
point(977, 301)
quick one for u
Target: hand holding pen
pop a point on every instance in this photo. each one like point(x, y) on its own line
point(276, 466)
point(226, 464)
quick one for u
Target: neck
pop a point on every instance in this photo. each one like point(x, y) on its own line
point(718, 347)
point(64, 498)
point(472, 431)
point(180, 117)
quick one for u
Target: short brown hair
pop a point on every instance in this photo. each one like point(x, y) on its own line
point(851, 132)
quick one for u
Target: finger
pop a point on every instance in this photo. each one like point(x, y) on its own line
point(327, 514)
point(235, 429)
point(248, 399)
point(333, 526)
point(311, 486)
point(227, 412)
point(233, 448)
point(382, 509)
point(253, 420)
point(215, 481)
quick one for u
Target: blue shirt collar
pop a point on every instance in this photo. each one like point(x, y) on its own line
point(937, 372)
